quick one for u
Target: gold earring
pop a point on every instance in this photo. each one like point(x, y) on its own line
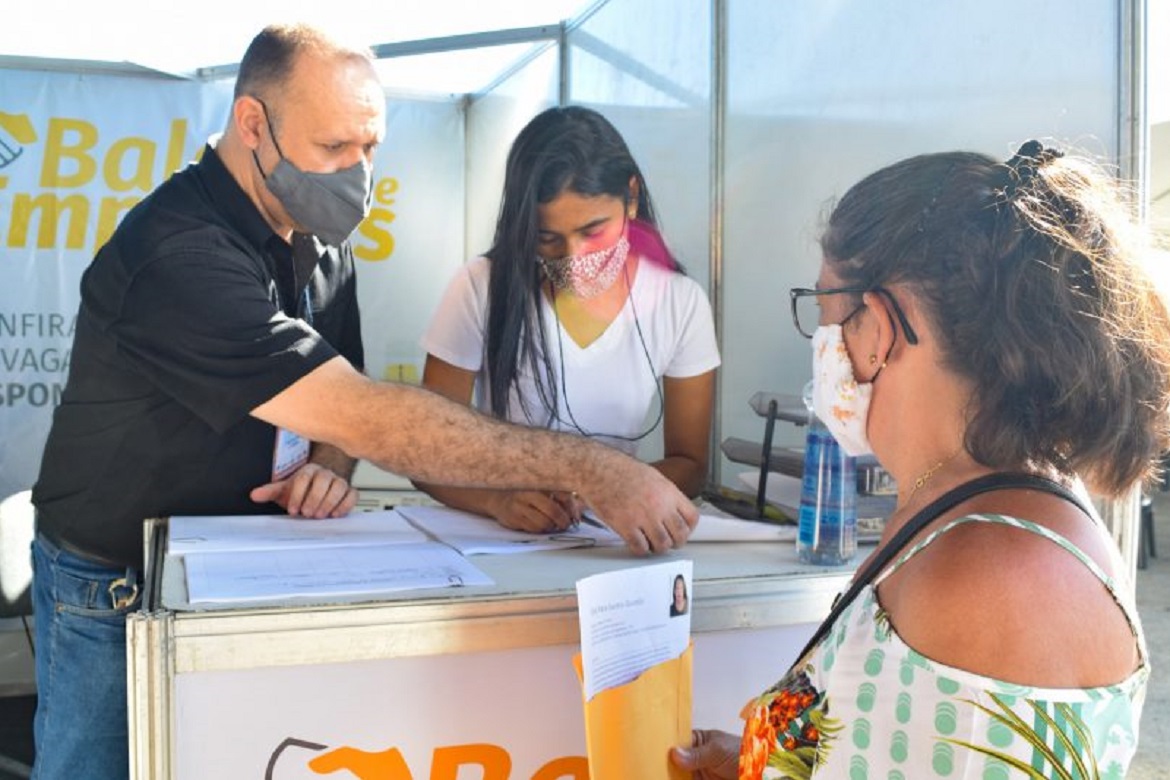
point(873, 360)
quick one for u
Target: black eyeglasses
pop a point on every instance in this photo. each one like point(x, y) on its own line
point(806, 308)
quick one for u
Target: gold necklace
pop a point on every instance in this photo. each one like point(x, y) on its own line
point(926, 475)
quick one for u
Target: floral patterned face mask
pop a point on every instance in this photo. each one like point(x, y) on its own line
point(839, 400)
point(588, 275)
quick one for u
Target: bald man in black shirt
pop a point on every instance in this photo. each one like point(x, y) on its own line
point(216, 369)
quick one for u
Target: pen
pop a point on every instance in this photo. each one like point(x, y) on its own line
point(587, 517)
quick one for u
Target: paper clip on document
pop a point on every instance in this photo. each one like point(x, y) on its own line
point(574, 539)
point(583, 541)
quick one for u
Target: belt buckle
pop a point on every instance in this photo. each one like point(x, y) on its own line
point(121, 602)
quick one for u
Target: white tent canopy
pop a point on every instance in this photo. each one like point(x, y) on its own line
point(429, 46)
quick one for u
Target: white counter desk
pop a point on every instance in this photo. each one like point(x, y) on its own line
point(429, 684)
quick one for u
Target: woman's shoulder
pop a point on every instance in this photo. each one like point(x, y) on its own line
point(991, 581)
point(470, 278)
point(1015, 557)
point(478, 267)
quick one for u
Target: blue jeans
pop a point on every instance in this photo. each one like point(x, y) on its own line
point(80, 609)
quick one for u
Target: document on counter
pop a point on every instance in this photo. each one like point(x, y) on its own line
point(473, 534)
point(635, 668)
point(714, 528)
point(206, 533)
point(258, 575)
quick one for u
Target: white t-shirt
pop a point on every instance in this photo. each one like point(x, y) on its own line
point(609, 387)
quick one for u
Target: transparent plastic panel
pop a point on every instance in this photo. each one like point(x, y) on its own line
point(493, 121)
point(646, 65)
point(822, 93)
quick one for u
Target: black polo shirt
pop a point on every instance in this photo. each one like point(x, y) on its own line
point(192, 315)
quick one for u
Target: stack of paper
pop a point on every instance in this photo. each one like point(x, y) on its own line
point(266, 557)
point(187, 534)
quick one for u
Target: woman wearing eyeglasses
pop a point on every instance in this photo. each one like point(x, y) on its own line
point(578, 318)
point(989, 332)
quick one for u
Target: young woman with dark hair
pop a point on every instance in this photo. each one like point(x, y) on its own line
point(575, 316)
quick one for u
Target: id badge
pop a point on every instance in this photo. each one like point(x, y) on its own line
point(291, 452)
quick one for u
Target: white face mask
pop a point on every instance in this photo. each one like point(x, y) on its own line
point(839, 400)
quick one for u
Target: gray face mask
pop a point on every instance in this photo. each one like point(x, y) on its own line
point(329, 205)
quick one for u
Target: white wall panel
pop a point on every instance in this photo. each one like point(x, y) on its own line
point(417, 215)
point(1158, 106)
point(493, 121)
point(821, 93)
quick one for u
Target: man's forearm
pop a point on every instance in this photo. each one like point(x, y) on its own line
point(428, 438)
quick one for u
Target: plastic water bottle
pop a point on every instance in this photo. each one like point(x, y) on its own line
point(828, 497)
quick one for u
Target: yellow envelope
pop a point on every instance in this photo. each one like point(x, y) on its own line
point(630, 729)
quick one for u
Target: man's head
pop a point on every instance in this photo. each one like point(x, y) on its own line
point(307, 116)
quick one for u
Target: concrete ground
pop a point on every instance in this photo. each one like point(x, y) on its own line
point(1153, 597)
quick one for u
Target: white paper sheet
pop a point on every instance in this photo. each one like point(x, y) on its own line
point(473, 534)
point(328, 571)
point(714, 528)
point(193, 534)
point(628, 622)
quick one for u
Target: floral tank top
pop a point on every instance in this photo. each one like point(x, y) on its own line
point(863, 704)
